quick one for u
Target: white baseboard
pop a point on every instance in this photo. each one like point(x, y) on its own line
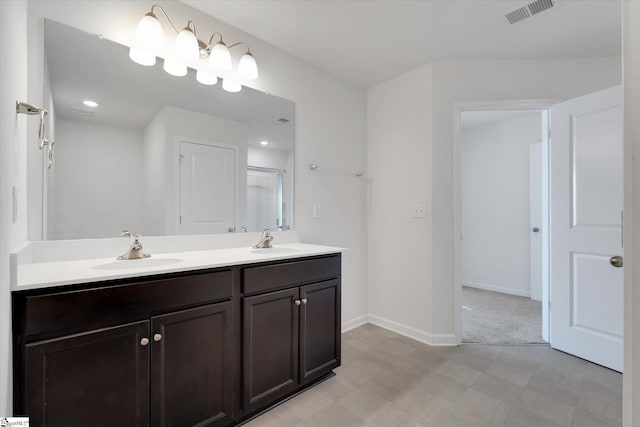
point(413, 333)
point(354, 323)
point(500, 289)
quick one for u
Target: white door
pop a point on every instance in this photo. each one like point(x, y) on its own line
point(586, 290)
point(207, 188)
point(535, 219)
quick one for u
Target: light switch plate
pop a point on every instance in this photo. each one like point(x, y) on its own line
point(420, 210)
point(317, 210)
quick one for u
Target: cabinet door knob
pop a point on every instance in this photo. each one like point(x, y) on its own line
point(157, 337)
point(304, 300)
point(144, 341)
point(296, 302)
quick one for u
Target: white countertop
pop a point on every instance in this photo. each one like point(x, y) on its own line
point(49, 274)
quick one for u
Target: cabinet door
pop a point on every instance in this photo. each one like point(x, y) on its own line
point(191, 367)
point(319, 329)
point(98, 378)
point(270, 347)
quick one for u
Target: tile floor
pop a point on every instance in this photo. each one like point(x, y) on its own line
point(387, 380)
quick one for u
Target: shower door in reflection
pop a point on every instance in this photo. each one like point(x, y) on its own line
point(264, 198)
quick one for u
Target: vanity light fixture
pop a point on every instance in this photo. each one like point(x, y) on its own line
point(231, 86)
point(188, 50)
point(90, 103)
point(264, 142)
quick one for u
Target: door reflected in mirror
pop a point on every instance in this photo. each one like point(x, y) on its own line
point(142, 150)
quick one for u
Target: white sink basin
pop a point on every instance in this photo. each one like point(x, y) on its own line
point(274, 251)
point(137, 263)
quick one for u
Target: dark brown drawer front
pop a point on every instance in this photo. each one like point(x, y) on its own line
point(86, 309)
point(266, 277)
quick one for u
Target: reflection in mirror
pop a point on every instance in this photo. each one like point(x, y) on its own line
point(142, 150)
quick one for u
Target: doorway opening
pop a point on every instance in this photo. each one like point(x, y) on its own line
point(503, 182)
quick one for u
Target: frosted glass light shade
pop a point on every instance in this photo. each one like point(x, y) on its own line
point(175, 68)
point(149, 41)
point(186, 48)
point(206, 78)
point(220, 58)
point(142, 57)
point(247, 67)
point(231, 86)
point(149, 34)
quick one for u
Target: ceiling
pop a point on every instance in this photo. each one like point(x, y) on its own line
point(368, 41)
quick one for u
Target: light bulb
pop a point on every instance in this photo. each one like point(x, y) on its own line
point(175, 68)
point(186, 48)
point(142, 57)
point(149, 40)
point(206, 78)
point(220, 58)
point(247, 67)
point(231, 86)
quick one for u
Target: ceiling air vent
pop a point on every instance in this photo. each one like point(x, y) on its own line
point(81, 112)
point(529, 10)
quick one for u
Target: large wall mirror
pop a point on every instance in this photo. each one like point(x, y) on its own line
point(158, 155)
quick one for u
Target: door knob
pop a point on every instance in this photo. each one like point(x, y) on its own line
point(616, 261)
point(535, 229)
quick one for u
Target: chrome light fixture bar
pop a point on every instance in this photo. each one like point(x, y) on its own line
point(189, 49)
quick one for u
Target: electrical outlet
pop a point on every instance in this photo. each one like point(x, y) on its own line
point(420, 210)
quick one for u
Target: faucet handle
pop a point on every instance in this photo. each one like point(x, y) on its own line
point(125, 233)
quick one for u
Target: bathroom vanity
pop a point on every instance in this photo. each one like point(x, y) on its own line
point(210, 346)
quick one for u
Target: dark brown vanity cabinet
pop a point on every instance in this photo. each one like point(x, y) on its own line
point(204, 348)
point(171, 369)
point(290, 337)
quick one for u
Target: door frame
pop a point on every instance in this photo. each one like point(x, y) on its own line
point(459, 107)
point(178, 164)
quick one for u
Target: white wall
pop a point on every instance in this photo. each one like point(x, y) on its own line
point(13, 162)
point(399, 174)
point(153, 157)
point(631, 55)
point(495, 203)
point(99, 180)
point(490, 81)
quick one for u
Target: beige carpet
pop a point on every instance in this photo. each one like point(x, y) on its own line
point(496, 318)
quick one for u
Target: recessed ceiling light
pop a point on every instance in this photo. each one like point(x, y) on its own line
point(90, 103)
point(264, 142)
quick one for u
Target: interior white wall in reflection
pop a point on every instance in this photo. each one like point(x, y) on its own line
point(98, 169)
point(495, 202)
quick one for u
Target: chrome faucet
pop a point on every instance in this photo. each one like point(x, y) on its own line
point(265, 240)
point(135, 249)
